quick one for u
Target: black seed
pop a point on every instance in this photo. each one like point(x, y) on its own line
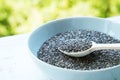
point(75, 45)
point(50, 54)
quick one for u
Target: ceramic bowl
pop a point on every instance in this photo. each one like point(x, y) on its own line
point(47, 30)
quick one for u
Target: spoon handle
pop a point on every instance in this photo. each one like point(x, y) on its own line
point(115, 46)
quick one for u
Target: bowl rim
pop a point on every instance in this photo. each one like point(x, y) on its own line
point(66, 69)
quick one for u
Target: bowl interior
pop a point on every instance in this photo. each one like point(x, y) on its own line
point(44, 32)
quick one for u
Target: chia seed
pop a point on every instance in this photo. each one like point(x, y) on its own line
point(99, 59)
point(73, 45)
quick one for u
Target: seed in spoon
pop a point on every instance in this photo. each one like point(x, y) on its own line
point(75, 45)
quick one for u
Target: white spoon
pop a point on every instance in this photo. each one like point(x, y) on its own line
point(94, 47)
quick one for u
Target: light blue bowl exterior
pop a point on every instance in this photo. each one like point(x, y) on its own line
point(49, 29)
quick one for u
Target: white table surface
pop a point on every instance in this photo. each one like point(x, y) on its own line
point(15, 62)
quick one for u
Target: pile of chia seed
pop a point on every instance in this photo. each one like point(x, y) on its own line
point(50, 54)
point(75, 45)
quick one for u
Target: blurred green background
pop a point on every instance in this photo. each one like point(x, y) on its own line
point(21, 16)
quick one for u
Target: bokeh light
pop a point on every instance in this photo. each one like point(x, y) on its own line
point(22, 16)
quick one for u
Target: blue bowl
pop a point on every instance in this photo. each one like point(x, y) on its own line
point(44, 32)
